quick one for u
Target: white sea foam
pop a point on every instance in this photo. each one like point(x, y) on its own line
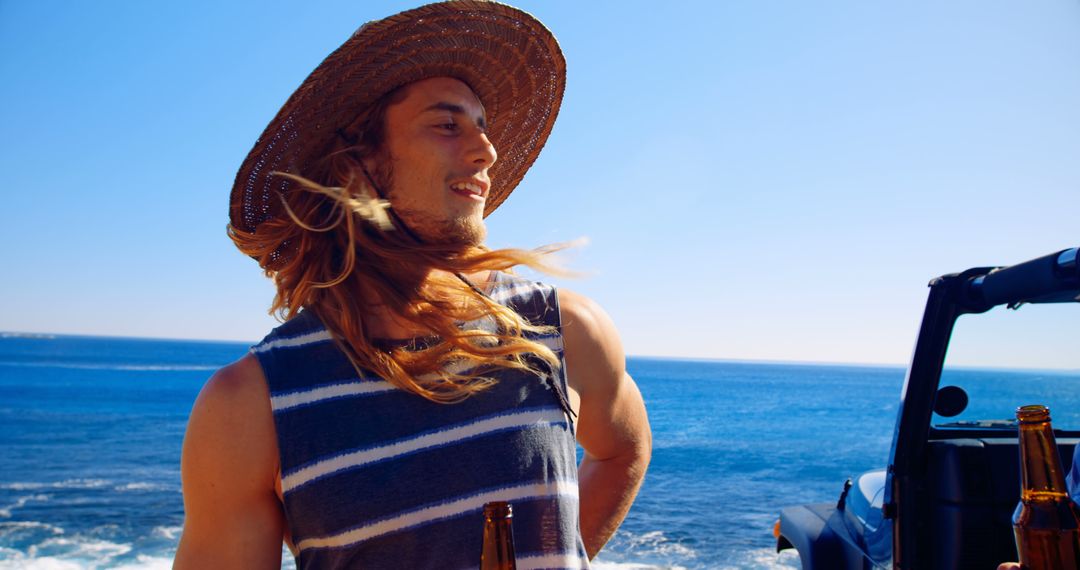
point(167, 532)
point(287, 560)
point(758, 559)
point(144, 486)
point(115, 366)
point(82, 553)
point(67, 484)
point(652, 550)
point(143, 562)
point(656, 542)
point(9, 528)
point(62, 552)
point(162, 367)
point(599, 564)
point(43, 563)
point(764, 559)
point(80, 547)
point(657, 550)
point(5, 512)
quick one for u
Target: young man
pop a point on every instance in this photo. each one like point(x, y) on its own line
point(414, 379)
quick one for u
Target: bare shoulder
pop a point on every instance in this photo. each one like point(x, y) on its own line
point(236, 384)
point(231, 422)
point(593, 349)
point(582, 313)
point(229, 467)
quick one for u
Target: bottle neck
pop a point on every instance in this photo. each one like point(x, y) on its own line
point(1040, 466)
point(498, 547)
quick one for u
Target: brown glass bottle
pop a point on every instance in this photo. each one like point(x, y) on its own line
point(498, 550)
point(1047, 521)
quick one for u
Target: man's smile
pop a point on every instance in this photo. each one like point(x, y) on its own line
point(472, 189)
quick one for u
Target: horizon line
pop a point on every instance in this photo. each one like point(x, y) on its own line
point(730, 360)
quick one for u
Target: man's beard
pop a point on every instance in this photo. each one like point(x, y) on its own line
point(462, 231)
point(459, 231)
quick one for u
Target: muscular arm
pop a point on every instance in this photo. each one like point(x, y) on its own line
point(612, 426)
point(232, 516)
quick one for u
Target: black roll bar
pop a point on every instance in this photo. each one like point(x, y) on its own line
point(1048, 279)
point(1051, 278)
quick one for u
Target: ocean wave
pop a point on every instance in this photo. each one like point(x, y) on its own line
point(114, 366)
point(765, 559)
point(652, 550)
point(51, 549)
point(167, 532)
point(79, 548)
point(62, 552)
point(46, 563)
point(601, 565)
point(9, 528)
point(66, 484)
point(5, 512)
point(656, 542)
point(145, 486)
point(659, 550)
point(756, 559)
point(141, 562)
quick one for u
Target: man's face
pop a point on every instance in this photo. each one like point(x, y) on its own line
point(439, 158)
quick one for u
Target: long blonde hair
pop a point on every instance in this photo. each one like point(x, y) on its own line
point(339, 248)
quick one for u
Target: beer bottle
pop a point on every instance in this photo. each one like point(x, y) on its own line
point(1046, 522)
point(498, 549)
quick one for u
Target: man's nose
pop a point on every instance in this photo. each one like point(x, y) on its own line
point(482, 152)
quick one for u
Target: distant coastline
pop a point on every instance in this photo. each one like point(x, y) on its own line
point(701, 359)
point(874, 365)
point(54, 336)
point(27, 335)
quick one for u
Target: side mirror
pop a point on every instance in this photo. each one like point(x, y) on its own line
point(950, 401)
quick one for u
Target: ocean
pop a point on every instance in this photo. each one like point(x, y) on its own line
point(91, 430)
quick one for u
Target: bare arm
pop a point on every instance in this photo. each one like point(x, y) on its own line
point(232, 516)
point(612, 424)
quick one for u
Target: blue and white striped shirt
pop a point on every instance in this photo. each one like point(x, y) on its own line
point(377, 477)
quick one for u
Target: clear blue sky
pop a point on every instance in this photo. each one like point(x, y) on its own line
point(757, 179)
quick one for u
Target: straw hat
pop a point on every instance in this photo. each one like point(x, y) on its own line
point(508, 58)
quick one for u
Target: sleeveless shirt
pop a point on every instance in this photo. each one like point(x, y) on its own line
point(376, 477)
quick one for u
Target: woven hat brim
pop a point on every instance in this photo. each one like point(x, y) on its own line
point(509, 59)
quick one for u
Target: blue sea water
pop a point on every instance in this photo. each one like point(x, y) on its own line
point(91, 430)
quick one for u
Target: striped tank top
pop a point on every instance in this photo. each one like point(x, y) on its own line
point(376, 477)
